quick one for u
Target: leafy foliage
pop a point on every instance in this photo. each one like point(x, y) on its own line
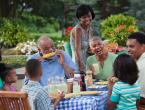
point(39, 24)
point(11, 33)
point(116, 28)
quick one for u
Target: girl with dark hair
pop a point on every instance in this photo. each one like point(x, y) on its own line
point(125, 91)
point(80, 35)
point(8, 77)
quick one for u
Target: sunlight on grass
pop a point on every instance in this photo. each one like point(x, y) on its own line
point(15, 61)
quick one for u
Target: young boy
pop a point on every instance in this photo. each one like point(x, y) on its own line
point(38, 97)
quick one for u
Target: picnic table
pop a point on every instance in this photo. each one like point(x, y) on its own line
point(86, 102)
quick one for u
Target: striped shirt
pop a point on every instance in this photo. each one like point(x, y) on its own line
point(38, 97)
point(125, 95)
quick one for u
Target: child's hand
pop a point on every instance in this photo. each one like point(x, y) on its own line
point(111, 82)
point(60, 94)
point(112, 79)
point(60, 97)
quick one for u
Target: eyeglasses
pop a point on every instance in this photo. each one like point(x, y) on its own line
point(47, 49)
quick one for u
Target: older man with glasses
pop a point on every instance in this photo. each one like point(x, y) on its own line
point(58, 64)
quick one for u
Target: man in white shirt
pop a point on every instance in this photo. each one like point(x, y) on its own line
point(136, 48)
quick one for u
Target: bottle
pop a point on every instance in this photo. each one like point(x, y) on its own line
point(83, 85)
point(76, 83)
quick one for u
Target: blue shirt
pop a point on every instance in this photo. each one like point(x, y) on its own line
point(125, 95)
point(52, 67)
point(38, 97)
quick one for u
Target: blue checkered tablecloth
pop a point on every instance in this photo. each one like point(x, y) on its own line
point(93, 102)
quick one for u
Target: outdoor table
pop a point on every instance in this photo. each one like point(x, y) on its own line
point(85, 102)
point(98, 86)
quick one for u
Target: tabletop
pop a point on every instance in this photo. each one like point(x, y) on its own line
point(85, 102)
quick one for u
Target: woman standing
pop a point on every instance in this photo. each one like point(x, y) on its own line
point(80, 35)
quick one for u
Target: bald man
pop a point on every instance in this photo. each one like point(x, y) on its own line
point(59, 65)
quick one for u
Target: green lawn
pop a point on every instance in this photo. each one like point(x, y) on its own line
point(15, 61)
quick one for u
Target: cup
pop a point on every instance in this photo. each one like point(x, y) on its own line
point(89, 78)
point(70, 85)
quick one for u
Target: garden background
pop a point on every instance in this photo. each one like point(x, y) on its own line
point(23, 21)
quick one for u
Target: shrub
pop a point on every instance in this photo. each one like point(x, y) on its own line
point(39, 24)
point(116, 28)
point(32, 19)
point(11, 33)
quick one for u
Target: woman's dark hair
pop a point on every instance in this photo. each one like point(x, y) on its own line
point(32, 67)
point(125, 69)
point(4, 70)
point(84, 10)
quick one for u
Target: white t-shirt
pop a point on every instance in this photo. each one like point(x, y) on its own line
point(141, 79)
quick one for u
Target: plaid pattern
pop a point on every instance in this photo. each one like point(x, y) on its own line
point(38, 97)
point(95, 102)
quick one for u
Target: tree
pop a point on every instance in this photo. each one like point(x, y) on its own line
point(8, 8)
point(108, 7)
point(137, 10)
